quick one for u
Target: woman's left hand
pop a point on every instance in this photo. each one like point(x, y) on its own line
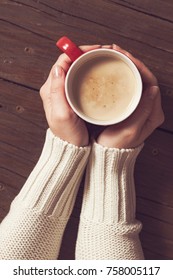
point(149, 114)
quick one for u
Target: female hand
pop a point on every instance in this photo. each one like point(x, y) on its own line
point(61, 119)
point(149, 114)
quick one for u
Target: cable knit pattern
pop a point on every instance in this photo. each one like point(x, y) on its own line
point(37, 218)
point(108, 228)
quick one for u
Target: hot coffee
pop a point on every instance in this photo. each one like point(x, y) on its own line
point(103, 88)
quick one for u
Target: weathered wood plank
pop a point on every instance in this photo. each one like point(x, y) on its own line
point(22, 133)
point(159, 228)
point(161, 248)
point(57, 19)
point(22, 103)
point(154, 180)
point(108, 14)
point(22, 120)
point(154, 256)
point(19, 55)
point(159, 8)
point(167, 104)
point(154, 176)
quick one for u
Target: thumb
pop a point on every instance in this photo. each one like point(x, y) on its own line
point(57, 80)
point(57, 90)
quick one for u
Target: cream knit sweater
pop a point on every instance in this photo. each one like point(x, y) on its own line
point(34, 226)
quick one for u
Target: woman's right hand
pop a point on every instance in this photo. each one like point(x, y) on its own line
point(62, 120)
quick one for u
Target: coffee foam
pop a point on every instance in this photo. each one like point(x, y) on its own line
point(104, 88)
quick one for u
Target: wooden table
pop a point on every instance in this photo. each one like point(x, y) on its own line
point(29, 30)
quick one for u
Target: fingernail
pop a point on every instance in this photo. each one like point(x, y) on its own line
point(57, 71)
point(116, 46)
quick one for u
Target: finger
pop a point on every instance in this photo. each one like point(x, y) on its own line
point(87, 48)
point(57, 91)
point(144, 109)
point(106, 47)
point(45, 96)
point(147, 76)
point(156, 117)
point(136, 61)
point(64, 61)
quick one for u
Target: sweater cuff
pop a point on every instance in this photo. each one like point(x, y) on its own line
point(109, 194)
point(53, 184)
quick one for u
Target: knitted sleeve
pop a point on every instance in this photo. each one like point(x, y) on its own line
point(108, 228)
point(34, 226)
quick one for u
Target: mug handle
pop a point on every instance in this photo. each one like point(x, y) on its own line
point(69, 48)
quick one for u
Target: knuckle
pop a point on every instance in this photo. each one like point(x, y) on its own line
point(61, 57)
point(127, 53)
point(162, 118)
point(54, 89)
point(42, 92)
point(130, 132)
point(64, 115)
point(147, 111)
point(157, 122)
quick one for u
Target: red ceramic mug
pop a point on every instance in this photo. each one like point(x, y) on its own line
point(102, 86)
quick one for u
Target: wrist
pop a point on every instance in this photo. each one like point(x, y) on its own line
point(117, 142)
point(76, 139)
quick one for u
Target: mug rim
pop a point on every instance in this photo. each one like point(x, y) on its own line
point(135, 71)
